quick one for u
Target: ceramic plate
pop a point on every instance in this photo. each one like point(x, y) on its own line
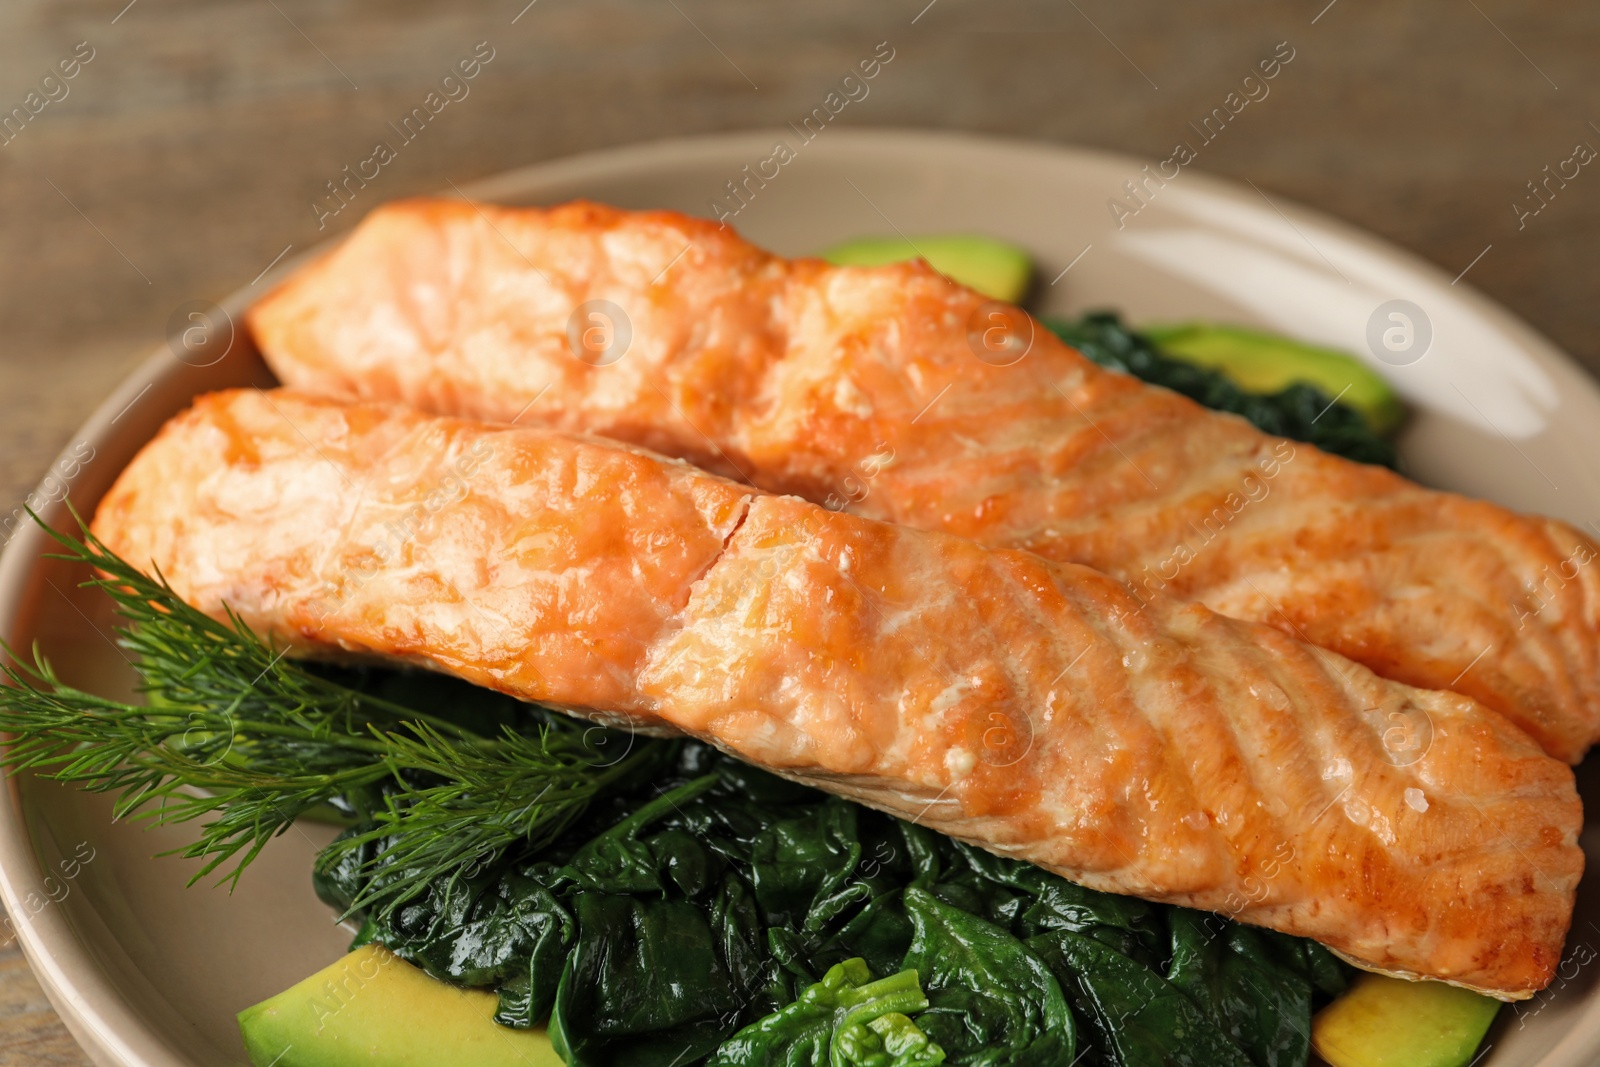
point(146, 972)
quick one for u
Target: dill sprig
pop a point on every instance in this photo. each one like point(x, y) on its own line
point(243, 740)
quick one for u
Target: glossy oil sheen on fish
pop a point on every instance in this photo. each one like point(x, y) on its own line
point(1037, 709)
point(899, 395)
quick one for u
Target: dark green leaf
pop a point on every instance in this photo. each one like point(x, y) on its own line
point(644, 985)
point(1139, 1018)
point(1229, 971)
point(992, 1001)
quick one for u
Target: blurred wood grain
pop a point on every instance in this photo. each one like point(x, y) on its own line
point(185, 155)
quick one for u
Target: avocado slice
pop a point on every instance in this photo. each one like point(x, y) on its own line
point(1264, 363)
point(1389, 1022)
point(994, 268)
point(375, 1010)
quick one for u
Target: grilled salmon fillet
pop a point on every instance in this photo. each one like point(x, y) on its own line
point(898, 395)
point(1036, 709)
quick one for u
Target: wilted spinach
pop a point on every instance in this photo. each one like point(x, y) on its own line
point(686, 919)
point(1302, 412)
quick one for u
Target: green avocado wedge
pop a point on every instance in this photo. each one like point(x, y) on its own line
point(994, 268)
point(1390, 1022)
point(373, 1009)
point(1264, 363)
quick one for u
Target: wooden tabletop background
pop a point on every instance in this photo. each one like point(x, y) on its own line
point(187, 150)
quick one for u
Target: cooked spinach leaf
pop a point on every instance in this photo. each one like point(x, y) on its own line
point(991, 1000)
point(645, 983)
point(1137, 1017)
point(1231, 973)
point(1302, 412)
point(845, 1020)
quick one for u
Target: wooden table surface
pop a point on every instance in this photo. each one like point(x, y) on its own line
point(188, 149)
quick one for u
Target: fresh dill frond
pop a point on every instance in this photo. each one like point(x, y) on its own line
point(244, 740)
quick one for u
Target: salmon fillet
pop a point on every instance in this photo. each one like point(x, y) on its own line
point(1036, 709)
point(894, 393)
